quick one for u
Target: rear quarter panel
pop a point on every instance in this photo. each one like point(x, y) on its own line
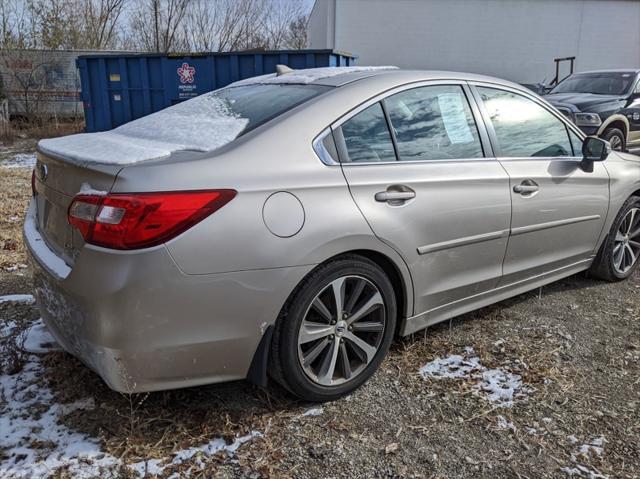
point(275, 157)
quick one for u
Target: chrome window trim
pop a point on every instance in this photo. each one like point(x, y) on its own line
point(418, 162)
point(463, 84)
point(387, 93)
point(321, 151)
point(539, 101)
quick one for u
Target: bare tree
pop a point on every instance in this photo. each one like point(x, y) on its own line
point(157, 24)
point(297, 33)
point(278, 20)
point(153, 25)
point(17, 25)
point(101, 19)
point(228, 25)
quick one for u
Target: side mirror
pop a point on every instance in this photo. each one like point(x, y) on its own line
point(593, 149)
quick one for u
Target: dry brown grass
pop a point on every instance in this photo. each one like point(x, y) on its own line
point(41, 128)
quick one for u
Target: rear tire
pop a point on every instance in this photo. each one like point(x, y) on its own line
point(618, 255)
point(616, 138)
point(335, 329)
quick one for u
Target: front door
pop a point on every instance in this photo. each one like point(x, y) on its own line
point(427, 189)
point(558, 208)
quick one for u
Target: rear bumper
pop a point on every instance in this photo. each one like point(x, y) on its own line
point(143, 325)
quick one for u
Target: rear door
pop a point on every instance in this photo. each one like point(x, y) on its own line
point(558, 208)
point(428, 189)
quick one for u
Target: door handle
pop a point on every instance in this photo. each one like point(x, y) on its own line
point(527, 187)
point(394, 196)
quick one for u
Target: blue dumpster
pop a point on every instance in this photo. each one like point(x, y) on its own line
point(119, 88)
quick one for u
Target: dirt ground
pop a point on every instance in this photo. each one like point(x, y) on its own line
point(572, 348)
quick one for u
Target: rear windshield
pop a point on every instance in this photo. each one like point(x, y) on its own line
point(260, 103)
point(604, 83)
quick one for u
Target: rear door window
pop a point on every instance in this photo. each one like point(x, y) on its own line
point(523, 128)
point(367, 137)
point(433, 123)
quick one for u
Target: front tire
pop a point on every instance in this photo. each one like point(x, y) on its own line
point(619, 254)
point(616, 138)
point(335, 330)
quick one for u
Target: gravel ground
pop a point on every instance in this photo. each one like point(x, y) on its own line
point(566, 361)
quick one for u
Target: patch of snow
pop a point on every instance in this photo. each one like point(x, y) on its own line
point(452, 367)
point(316, 411)
point(21, 160)
point(35, 442)
point(17, 298)
point(203, 123)
point(38, 339)
point(6, 329)
point(15, 267)
point(596, 446)
point(156, 466)
point(305, 76)
point(496, 385)
point(45, 255)
point(86, 189)
point(582, 471)
point(532, 431)
point(501, 386)
point(503, 423)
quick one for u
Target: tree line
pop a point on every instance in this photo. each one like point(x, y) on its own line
point(162, 26)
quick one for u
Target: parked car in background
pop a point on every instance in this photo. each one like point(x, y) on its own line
point(539, 88)
point(292, 225)
point(603, 103)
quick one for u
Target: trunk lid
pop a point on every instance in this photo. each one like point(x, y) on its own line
point(57, 181)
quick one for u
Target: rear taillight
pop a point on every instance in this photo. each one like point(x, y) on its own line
point(140, 220)
point(33, 182)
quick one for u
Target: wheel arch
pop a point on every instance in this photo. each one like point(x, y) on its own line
point(394, 267)
point(615, 121)
point(400, 278)
point(404, 300)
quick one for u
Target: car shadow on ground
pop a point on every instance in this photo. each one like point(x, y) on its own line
point(236, 403)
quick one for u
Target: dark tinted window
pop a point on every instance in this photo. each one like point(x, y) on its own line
point(433, 123)
point(261, 103)
point(601, 83)
point(367, 136)
point(523, 127)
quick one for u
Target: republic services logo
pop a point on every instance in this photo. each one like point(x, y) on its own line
point(186, 73)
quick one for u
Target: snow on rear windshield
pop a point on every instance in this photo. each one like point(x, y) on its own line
point(204, 123)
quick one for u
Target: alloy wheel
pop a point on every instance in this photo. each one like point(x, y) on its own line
point(616, 143)
point(626, 247)
point(341, 331)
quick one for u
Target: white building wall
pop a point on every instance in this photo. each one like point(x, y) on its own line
point(512, 39)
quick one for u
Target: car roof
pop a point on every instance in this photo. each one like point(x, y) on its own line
point(614, 70)
point(407, 76)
